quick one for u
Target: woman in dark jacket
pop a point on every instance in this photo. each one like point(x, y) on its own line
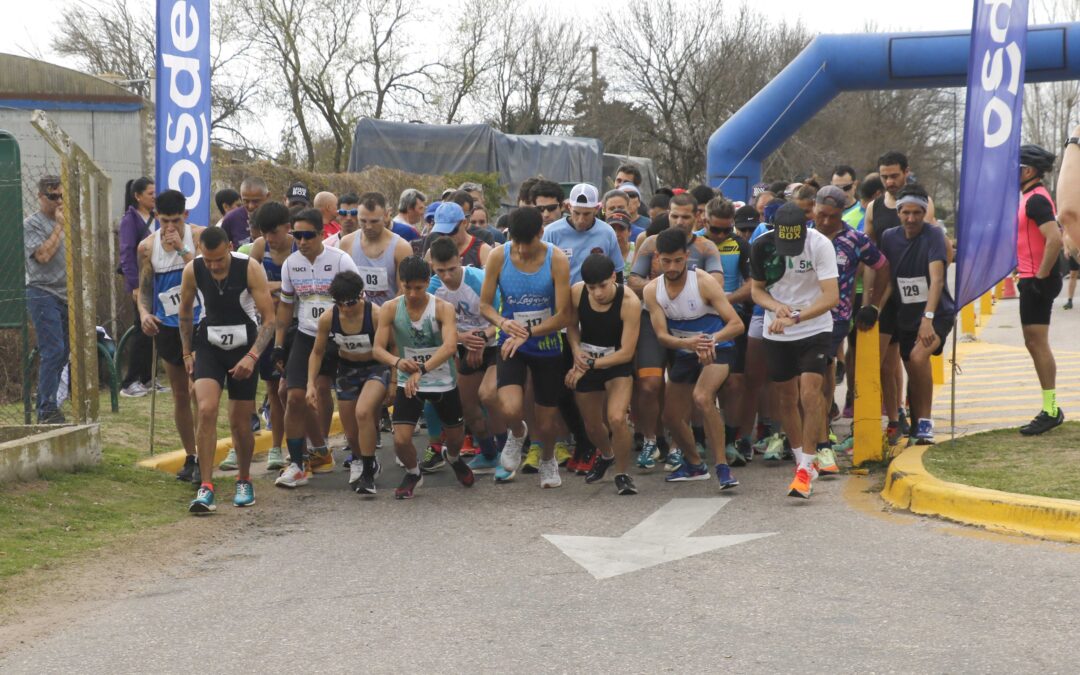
point(136, 225)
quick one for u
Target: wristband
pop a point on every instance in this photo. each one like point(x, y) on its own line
point(397, 363)
point(253, 357)
point(423, 369)
point(189, 355)
point(528, 329)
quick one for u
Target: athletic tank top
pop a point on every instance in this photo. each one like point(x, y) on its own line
point(884, 218)
point(379, 274)
point(1030, 242)
point(273, 270)
point(529, 299)
point(168, 269)
point(418, 341)
point(687, 314)
point(353, 346)
point(470, 257)
point(601, 332)
point(230, 310)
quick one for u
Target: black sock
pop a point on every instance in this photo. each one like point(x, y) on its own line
point(296, 450)
point(369, 464)
point(699, 434)
point(731, 434)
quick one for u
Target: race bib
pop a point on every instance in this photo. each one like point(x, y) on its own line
point(170, 301)
point(594, 352)
point(532, 319)
point(375, 278)
point(913, 290)
point(227, 337)
point(353, 344)
point(316, 308)
point(675, 332)
point(568, 252)
point(437, 377)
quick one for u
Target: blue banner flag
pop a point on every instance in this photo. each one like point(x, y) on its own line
point(990, 171)
point(182, 149)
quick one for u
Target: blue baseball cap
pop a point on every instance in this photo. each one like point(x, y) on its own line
point(447, 217)
point(429, 212)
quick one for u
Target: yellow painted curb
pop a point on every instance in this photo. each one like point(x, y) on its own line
point(170, 462)
point(908, 485)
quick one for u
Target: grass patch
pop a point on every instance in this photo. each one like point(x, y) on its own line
point(1004, 460)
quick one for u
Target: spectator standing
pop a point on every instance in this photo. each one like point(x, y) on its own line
point(137, 224)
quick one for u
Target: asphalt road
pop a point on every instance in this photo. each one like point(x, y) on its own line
point(462, 580)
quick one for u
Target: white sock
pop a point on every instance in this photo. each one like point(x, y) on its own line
point(414, 471)
point(807, 460)
point(798, 455)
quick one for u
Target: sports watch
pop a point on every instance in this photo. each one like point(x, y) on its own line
point(928, 315)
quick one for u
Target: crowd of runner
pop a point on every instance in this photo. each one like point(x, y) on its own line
point(575, 336)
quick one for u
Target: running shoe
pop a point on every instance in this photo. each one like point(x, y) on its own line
point(481, 464)
point(409, 483)
point(196, 475)
point(723, 474)
point(599, 468)
point(229, 463)
point(134, 390)
point(826, 462)
point(293, 476)
point(585, 465)
point(688, 472)
point(1042, 423)
point(321, 461)
point(734, 457)
point(245, 493)
point(504, 476)
point(893, 434)
point(624, 484)
point(563, 453)
point(264, 411)
point(275, 460)
point(467, 447)
point(255, 423)
point(532, 459)
point(187, 470)
point(845, 447)
point(646, 459)
point(1068, 304)
point(203, 502)
point(761, 444)
point(902, 420)
point(386, 425)
point(378, 440)
point(356, 471)
point(461, 470)
point(774, 449)
point(849, 411)
point(366, 483)
point(802, 485)
point(674, 460)
point(347, 462)
point(743, 447)
point(924, 432)
point(510, 457)
point(433, 459)
point(663, 448)
point(549, 474)
point(841, 370)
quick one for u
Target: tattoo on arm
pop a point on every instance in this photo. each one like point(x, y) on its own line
point(187, 328)
point(146, 286)
point(266, 334)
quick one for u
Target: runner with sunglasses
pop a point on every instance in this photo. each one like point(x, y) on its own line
point(305, 292)
point(375, 249)
point(347, 213)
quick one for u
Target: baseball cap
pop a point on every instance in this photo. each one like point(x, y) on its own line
point(790, 237)
point(629, 187)
point(618, 218)
point(830, 195)
point(584, 196)
point(429, 212)
point(298, 192)
point(746, 218)
point(447, 217)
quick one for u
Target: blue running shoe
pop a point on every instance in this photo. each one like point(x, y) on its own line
point(245, 493)
point(727, 481)
point(481, 464)
point(734, 457)
point(203, 502)
point(502, 475)
point(688, 472)
point(674, 459)
point(646, 459)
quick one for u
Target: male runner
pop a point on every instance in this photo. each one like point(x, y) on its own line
point(603, 336)
point(451, 222)
point(843, 177)
point(305, 292)
point(460, 286)
point(793, 268)
point(532, 279)
point(253, 192)
point(376, 251)
point(547, 198)
point(162, 257)
point(1038, 246)
point(224, 353)
point(694, 320)
point(348, 209)
point(925, 312)
point(361, 381)
point(424, 330)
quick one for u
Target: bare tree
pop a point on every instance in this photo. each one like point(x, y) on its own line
point(392, 74)
point(470, 57)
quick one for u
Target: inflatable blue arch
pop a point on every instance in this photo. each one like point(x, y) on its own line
point(831, 64)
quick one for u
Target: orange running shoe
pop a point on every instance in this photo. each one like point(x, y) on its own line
point(826, 462)
point(467, 448)
point(802, 485)
point(321, 462)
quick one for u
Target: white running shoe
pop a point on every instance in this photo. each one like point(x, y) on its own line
point(356, 469)
point(292, 476)
point(549, 474)
point(511, 452)
point(134, 390)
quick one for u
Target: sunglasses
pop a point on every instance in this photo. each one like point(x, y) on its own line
point(550, 208)
point(53, 196)
point(847, 187)
point(348, 303)
point(303, 234)
point(348, 212)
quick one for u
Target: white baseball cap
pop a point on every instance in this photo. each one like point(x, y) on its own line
point(584, 196)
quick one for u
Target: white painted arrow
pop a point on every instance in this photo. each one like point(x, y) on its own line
point(662, 537)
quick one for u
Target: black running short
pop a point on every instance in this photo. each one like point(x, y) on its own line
point(267, 368)
point(597, 379)
point(447, 405)
point(887, 317)
point(840, 332)
point(296, 366)
point(685, 368)
point(1074, 265)
point(169, 347)
point(491, 355)
point(789, 359)
point(1037, 299)
point(351, 377)
point(742, 341)
point(943, 325)
point(213, 363)
point(548, 375)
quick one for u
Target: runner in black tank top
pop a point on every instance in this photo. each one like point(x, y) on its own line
point(603, 339)
point(226, 353)
point(360, 381)
point(885, 217)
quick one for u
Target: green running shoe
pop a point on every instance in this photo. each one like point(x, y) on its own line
point(229, 463)
point(275, 460)
point(774, 450)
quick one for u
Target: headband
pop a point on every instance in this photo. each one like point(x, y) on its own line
point(913, 199)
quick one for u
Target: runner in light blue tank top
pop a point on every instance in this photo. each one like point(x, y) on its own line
point(529, 298)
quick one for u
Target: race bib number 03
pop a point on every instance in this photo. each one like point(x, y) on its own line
point(913, 290)
point(227, 337)
point(375, 278)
